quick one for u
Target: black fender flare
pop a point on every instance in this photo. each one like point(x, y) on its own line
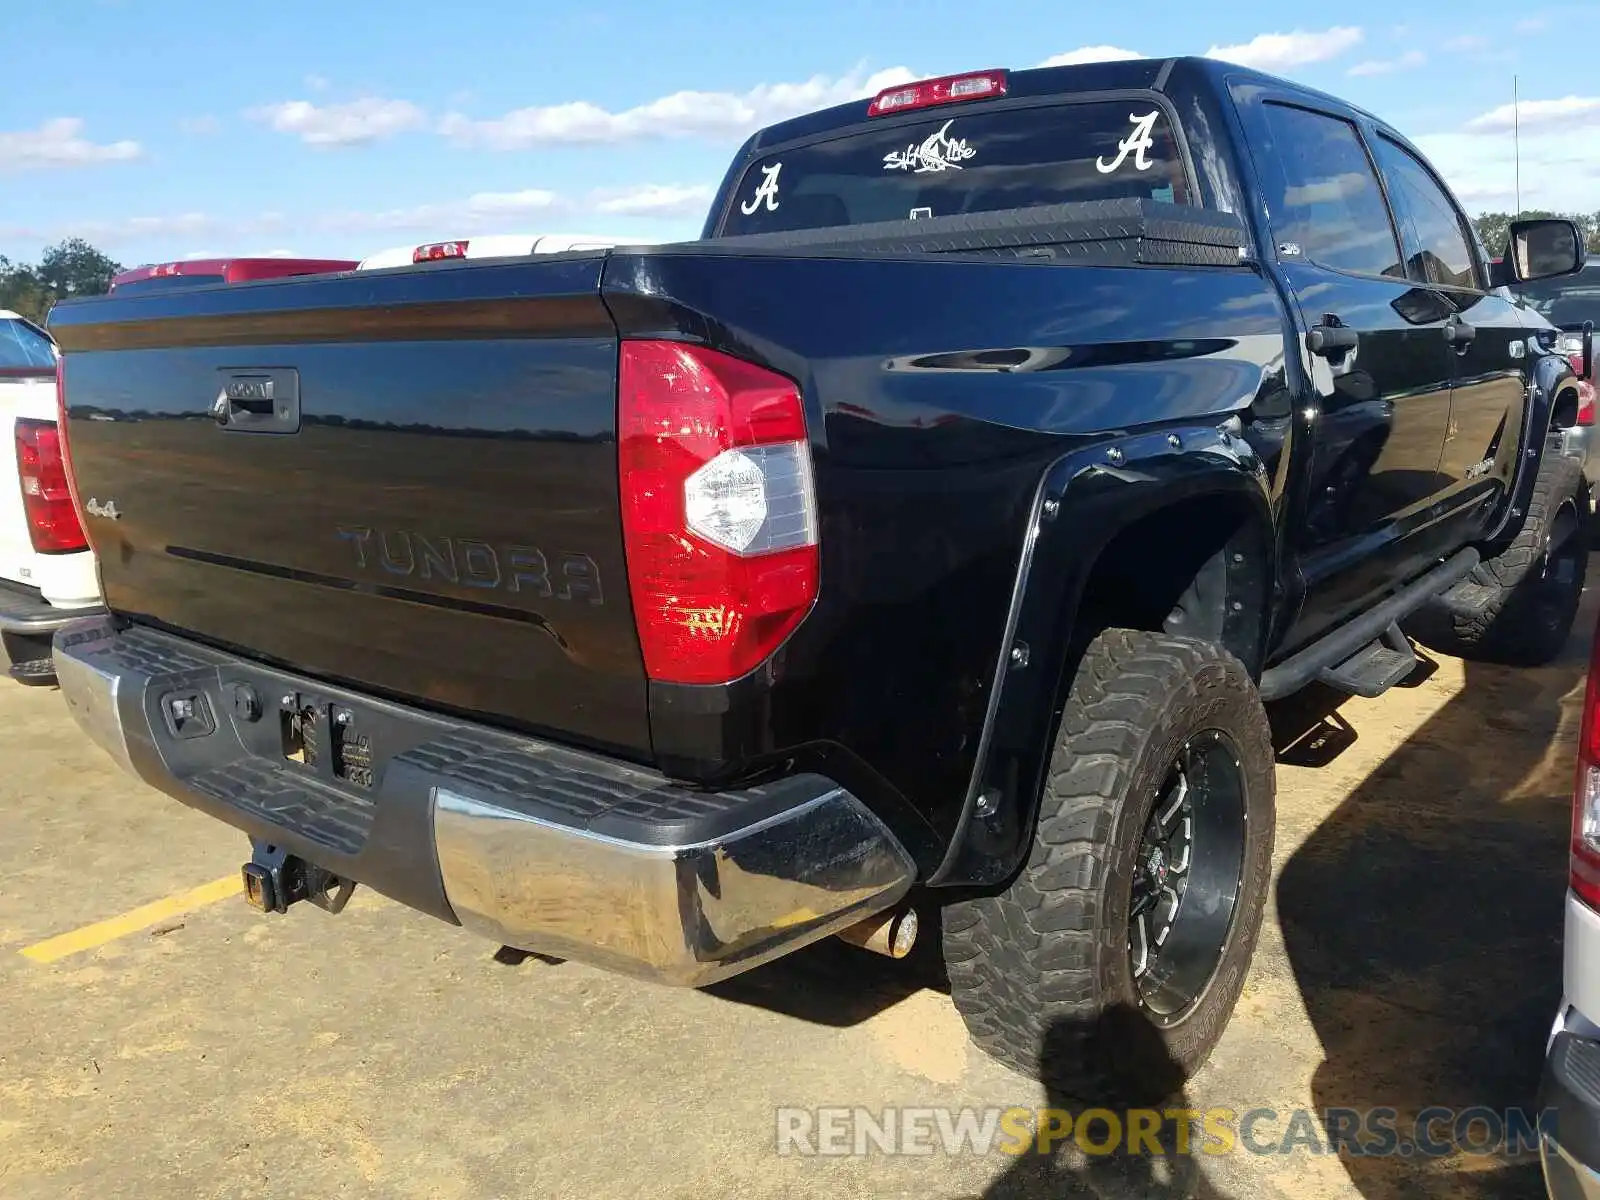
point(1549, 377)
point(1085, 500)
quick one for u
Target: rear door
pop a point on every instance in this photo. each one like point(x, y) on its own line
point(1488, 398)
point(1382, 382)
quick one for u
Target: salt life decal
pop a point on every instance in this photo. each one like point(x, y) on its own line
point(766, 194)
point(1136, 143)
point(940, 152)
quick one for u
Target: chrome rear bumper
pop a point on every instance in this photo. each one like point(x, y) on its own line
point(686, 914)
point(532, 844)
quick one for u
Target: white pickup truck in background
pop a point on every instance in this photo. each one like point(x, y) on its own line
point(47, 571)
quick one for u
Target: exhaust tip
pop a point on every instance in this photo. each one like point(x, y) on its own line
point(891, 934)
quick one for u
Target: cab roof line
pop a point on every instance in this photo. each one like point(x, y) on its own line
point(1161, 75)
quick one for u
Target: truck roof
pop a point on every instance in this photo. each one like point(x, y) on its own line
point(1113, 75)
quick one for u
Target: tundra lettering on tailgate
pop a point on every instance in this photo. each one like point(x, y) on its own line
point(470, 562)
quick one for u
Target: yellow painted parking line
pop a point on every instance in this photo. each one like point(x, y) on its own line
point(101, 932)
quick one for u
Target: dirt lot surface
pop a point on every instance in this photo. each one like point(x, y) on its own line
point(1411, 958)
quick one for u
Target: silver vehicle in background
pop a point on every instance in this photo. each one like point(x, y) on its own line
point(1567, 303)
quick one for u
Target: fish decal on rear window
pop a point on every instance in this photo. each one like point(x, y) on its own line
point(937, 152)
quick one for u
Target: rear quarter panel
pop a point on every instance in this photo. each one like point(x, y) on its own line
point(939, 394)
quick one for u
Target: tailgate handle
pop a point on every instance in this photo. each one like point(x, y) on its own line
point(258, 400)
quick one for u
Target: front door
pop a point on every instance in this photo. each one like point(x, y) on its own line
point(1488, 345)
point(1382, 379)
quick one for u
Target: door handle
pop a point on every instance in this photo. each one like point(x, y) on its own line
point(1330, 341)
point(263, 400)
point(1458, 333)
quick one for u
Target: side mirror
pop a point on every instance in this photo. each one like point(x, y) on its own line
point(1541, 248)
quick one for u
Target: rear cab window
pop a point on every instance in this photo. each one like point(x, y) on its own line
point(949, 162)
point(24, 349)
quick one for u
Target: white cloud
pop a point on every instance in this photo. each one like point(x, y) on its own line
point(1482, 171)
point(656, 200)
point(1382, 66)
point(353, 123)
point(1274, 51)
point(192, 222)
point(1466, 44)
point(278, 253)
point(1474, 192)
point(1088, 54)
point(1536, 24)
point(717, 115)
point(200, 126)
point(125, 229)
point(194, 228)
point(527, 200)
point(59, 143)
point(676, 208)
point(1570, 112)
point(498, 212)
point(475, 214)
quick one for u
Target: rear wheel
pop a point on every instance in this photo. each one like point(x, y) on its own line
point(1110, 965)
point(1519, 606)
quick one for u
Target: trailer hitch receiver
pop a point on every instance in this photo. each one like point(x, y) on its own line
point(274, 879)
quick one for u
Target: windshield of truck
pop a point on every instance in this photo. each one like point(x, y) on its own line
point(1568, 301)
point(24, 348)
point(952, 162)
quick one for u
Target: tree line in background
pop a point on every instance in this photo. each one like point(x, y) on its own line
point(69, 268)
point(75, 268)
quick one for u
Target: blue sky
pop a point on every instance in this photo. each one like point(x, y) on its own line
point(164, 128)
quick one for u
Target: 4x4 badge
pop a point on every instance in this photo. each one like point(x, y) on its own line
point(108, 510)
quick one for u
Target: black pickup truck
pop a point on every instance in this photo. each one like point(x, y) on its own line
point(924, 538)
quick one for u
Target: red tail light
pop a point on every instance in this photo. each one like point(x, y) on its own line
point(929, 93)
point(53, 523)
point(1585, 403)
point(66, 444)
point(1585, 871)
point(718, 512)
point(434, 251)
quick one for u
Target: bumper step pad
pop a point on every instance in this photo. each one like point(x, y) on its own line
point(539, 846)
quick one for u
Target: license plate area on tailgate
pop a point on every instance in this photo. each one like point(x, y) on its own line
point(328, 738)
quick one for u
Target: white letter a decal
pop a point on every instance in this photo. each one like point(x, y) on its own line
point(1136, 143)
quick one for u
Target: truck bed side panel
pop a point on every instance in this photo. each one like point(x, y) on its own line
point(939, 393)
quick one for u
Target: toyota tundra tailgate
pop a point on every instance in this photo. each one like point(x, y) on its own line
point(400, 481)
